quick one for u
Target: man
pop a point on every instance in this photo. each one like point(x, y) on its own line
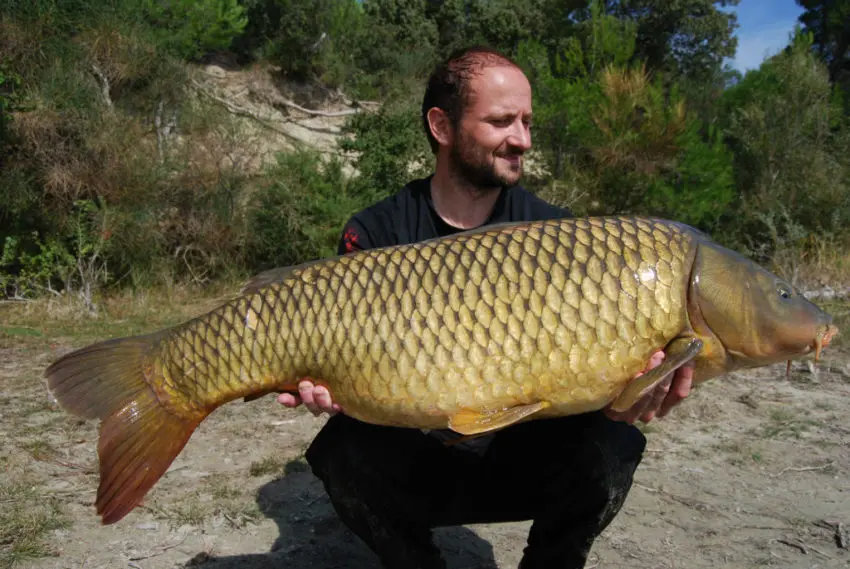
point(570, 475)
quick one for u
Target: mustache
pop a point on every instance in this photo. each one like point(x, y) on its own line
point(511, 152)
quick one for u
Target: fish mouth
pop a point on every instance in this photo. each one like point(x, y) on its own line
point(822, 339)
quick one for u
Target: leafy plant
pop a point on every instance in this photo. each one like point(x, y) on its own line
point(191, 28)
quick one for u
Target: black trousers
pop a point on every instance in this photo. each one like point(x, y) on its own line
point(391, 486)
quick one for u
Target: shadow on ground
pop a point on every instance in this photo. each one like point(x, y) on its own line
point(312, 536)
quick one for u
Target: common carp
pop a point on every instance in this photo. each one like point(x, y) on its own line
point(472, 332)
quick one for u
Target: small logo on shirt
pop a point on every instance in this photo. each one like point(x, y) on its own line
point(350, 238)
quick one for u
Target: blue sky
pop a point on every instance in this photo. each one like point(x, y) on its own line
point(764, 28)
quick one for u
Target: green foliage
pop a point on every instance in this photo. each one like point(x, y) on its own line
point(827, 21)
point(72, 263)
point(682, 38)
point(389, 149)
point(790, 143)
point(318, 40)
point(700, 190)
point(299, 213)
point(633, 114)
point(191, 28)
point(613, 140)
point(565, 86)
point(10, 83)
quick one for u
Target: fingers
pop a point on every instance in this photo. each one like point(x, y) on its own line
point(289, 400)
point(655, 360)
point(656, 399)
point(675, 387)
point(680, 388)
point(316, 398)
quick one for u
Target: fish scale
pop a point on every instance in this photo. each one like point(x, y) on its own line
point(472, 332)
point(487, 297)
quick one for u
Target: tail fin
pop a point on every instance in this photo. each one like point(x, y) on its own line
point(139, 437)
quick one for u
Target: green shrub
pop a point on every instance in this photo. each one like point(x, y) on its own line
point(389, 149)
point(299, 213)
point(192, 28)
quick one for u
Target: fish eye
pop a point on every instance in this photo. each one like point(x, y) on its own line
point(783, 291)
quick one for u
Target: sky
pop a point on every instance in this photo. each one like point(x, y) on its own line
point(764, 28)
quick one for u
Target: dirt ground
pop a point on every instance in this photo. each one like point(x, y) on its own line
point(750, 471)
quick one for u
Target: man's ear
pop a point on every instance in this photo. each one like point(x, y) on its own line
point(440, 125)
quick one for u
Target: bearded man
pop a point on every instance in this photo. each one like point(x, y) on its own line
point(569, 475)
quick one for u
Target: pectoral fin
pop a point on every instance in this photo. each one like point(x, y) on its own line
point(475, 422)
point(677, 354)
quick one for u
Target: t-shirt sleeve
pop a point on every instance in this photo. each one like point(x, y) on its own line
point(545, 210)
point(541, 210)
point(355, 237)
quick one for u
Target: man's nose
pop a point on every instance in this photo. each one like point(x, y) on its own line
point(520, 136)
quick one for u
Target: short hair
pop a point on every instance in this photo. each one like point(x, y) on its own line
point(448, 87)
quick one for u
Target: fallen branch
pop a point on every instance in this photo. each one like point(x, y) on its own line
point(802, 469)
point(795, 545)
point(158, 553)
point(838, 532)
point(293, 105)
point(104, 84)
point(248, 114)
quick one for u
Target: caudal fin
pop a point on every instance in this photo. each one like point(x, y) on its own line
point(139, 437)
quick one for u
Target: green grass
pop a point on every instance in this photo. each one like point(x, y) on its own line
point(268, 465)
point(25, 518)
point(786, 423)
point(20, 331)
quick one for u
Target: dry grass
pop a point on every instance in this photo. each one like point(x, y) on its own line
point(818, 263)
point(67, 320)
point(269, 465)
point(26, 518)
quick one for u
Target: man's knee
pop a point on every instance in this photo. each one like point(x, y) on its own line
point(329, 450)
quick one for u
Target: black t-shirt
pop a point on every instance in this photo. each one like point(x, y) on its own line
point(409, 217)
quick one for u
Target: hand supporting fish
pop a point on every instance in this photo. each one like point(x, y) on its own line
point(657, 403)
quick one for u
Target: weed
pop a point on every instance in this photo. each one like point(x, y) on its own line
point(268, 465)
point(785, 423)
point(225, 492)
point(25, 518)
point(186, 512)
point(39, 449)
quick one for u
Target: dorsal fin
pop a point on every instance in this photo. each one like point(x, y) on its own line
point(276, 275)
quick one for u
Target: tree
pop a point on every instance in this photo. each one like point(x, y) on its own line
point(790, 143)
point(685, 38)
point(829, 23)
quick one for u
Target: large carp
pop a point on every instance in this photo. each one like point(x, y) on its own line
point(471, 332)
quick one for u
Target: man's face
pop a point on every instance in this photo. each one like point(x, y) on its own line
point(494, 130)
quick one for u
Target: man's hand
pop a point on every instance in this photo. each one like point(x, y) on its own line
point(315, 398)
point(658, 402)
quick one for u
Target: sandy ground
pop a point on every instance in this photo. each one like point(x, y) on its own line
point(751, 471)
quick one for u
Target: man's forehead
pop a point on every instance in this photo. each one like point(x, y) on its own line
point(499, 86)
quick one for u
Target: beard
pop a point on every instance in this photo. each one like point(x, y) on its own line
point(476, 167)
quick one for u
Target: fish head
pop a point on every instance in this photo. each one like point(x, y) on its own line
point(752, 316)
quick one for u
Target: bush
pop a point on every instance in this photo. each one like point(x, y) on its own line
point(299, 213)
point(389, 149)
point(790, 137)
point(192, 28)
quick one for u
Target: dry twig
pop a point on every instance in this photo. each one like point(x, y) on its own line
point(160, 552)
point(793, 544)
point(802, 469)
